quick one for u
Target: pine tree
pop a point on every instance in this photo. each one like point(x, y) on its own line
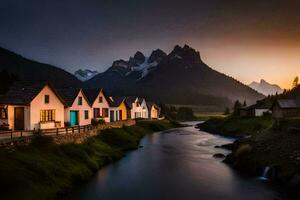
point(296, 82)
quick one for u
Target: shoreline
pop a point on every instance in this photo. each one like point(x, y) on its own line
point(45, 170)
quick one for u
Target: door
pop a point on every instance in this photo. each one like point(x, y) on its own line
point(73, 118)
point(19, 118)
point(120, 115)
point(111, 116)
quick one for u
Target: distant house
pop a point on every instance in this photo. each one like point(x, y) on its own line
point(256, 110)
point(78, 110)
point(286, 108)
point(28, 106)
point(118, 109)
point(99, 102)
point(138, 107)
point(144, 109)
point(154, 110)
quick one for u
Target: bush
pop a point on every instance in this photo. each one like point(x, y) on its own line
point(243, 150)
point(96, 122)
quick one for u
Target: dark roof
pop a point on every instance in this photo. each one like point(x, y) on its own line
point(140, 100)
point(150, 104)
point(117, 101)
point(92, 94)
point(288, 103)
point(68, 95)
point(22, 93)
point(130, 100)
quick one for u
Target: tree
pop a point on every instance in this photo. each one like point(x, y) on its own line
point(236, 107)
point(244, 104)
point(296, 82)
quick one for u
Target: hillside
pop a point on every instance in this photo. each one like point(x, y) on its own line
point(180, 77)
point(30, 70)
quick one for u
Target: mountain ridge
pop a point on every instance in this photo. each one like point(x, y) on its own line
point(266, 88)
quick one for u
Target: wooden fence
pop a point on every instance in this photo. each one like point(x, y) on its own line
point(11, 136)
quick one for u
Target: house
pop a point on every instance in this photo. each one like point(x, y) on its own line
point(99, 102)
point(255, 110)
point(118, 109)
point(154, 110)
point(286, 108)
point(29, 106)
point(143, 107)
point(78, 110)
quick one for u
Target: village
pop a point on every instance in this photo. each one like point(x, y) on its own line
point(40, 106)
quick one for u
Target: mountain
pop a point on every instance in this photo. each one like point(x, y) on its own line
point(30, 70)
point(180, 77)
point(86, 74)
point(265, 88)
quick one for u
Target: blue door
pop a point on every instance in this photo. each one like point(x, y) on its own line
point(73, 118)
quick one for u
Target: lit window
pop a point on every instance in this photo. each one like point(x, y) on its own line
point(46, 99)
point(47, 115)
point(79, 100)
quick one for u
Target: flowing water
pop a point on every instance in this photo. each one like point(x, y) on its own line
point(175, 164)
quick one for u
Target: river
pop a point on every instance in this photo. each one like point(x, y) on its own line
point(175, 164)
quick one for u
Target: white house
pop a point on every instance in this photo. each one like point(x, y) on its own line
point(99, 103)
point(153, 110)
point(78, 110)
point(28, 106)
point(138, 107)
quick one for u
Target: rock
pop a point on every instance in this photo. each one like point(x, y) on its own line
point(219, 155)
point(217, 147)
point(156, 56)
point(228, 146)
point(141, 146)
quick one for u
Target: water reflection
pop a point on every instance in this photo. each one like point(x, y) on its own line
point(177, 165)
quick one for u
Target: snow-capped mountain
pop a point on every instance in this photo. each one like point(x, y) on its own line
point(180, 77)
point(265, 88)
point(85, 74)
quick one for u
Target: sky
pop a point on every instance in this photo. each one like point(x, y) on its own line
point(246, 39)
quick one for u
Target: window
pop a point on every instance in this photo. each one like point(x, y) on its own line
point(80, 101)
point(46, 99)
point(86, 114)
point(100, 99)
point(104, 112)
point(47, 115)
point(3, 114)
point(97, 113)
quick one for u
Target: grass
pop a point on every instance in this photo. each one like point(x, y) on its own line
point(45, 170)
point(236, 126)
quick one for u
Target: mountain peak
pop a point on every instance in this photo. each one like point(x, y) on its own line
point(156, 56)
point(85, 74)
point(187, 53)
point(265, 88)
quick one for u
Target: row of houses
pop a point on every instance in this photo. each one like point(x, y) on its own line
point(280, 109)
point(29, 106)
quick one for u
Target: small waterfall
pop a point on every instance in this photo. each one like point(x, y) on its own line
point(266, 172)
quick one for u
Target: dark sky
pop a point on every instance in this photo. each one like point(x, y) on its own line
point(231, 35)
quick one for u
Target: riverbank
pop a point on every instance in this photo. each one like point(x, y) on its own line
point(45, 170)
point(260, 146)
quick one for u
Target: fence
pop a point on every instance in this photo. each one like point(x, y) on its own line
point(11, 136)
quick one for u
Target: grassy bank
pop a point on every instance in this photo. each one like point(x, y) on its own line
point(236, 126)
point(277, 148)
point(45, 170)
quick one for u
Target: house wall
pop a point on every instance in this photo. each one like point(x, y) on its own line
point(260, 112)
point(124, 110)
point(144, 110)
point(278, 112)
point(80, 109)
point(154, 113)
point(38, 104)
point(104, 104)
point(115, 110)
point(11, 116)
point(135, 109)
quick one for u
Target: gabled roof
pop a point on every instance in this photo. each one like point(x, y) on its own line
point(118, 101)
point(130, 100)
point(152, 104)
point(23, 92)
point(140, 100)
point(256, 106)
point(288, 103)
point(69, 95)
point(92, 94)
